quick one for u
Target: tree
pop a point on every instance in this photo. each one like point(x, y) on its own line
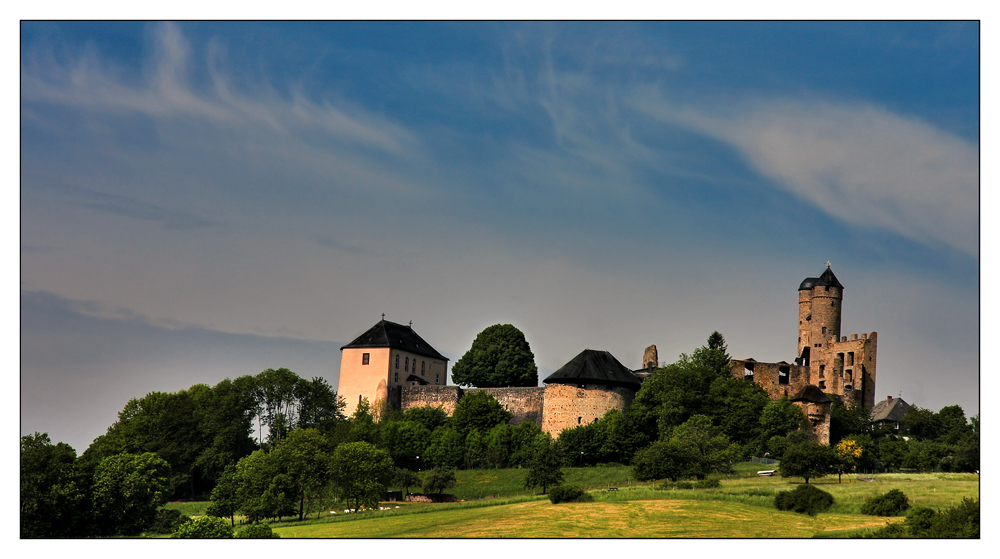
point(714, 452)
point(848, 453)
point(807, 460)
point(438, 480)
point(664, 459)
point(478, 410)
point(304, 455)
point(447, 449)
point(405, 441)
point(430, 417)
point(262, 490)
point(53, 495)
point(128, 488)
point(546, 469)
point(362, 471)
point(499, 356)
point(405, 479)
point(780, 417)
point(224, 496)
point(848, 421)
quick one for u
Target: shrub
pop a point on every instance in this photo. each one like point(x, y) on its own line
point(707, 484)
point(204, 527)
point(568, 494)
point(683, 485)
point(256, 531)
point(961, 521)
point(893, 503)
point(805, 499)
point(167, 521)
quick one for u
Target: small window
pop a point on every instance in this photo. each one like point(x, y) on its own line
point(395, 377)
point(578, 420)
point(822, 385)
point(850, 358)
point(406, 364)
point(824, 330)
point(748, 370)
point(822, 372)
point(397, 360)
point(421, 367)
point(437, 378)
point(783, 375)
point(365, 358)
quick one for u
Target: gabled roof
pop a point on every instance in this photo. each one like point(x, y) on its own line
point(592, 366)
point(811, 393)
point(890, 410)
point(395, 336)
point(827, 279)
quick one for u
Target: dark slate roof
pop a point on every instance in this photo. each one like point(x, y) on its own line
point(827, 279)
point(595, 367)
point(395, 336)
point(891, 410)
point(811, 393)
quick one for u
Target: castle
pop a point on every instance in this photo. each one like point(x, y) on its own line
point(382, 365)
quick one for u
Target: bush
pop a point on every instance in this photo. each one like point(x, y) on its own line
point(893, 503)
point(707, 484)
point(805, 499)
point(256, 531)
point(204, 527)
point(961, 521)
point(683, 485)
point(569, 494)
point(167, 521)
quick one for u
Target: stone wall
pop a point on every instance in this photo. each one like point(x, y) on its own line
point(768, 376)
point(433, 396)
point(569, 405)
point(526, 403)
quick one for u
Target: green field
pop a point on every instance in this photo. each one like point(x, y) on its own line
point(741, 508)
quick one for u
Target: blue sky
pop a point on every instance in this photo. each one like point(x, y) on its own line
point(207, 200)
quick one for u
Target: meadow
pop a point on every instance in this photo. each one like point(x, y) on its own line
point(496, 505)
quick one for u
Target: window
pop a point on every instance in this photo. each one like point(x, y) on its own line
point(850, 358)
point(406, 364)
point(822, 372)
point(421, 367)
point(397, 360)
point(437, 378)
point(748, 370)
point(824, 330)
point(783, 375)
point(578, 420)
point(395, 377)
point(822, 385)
point(365, 358)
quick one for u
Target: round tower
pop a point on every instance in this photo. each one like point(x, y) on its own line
point(827, 300)
point(805, 318)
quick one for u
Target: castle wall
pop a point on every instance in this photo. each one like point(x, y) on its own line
point(525, 403)
point(847, 368)
point(569, 405)
point(767, 375)
point(818, 416)
point(446, 397)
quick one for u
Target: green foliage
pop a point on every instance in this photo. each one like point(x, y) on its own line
point(478, 410)
point(438, 480)
point(204, 527)
point(304, 457)
point(262, 490)
point(780, 417)
point(499, 356)
point(128, 488)
point(569, 494)
point(405, 479)
point(255, 531)
point(167, 521)
point(961, 521)
point(670, 459)
point(546, 469)
point(848, 422)
point(807, 499)
point(807, 459)
point(708, 484)
point(361, 472)
point(498, 446)
point(695, 448)
point(446, 449)
point(892, 503)
point(53, 489)
point(430, 417)
point(225, 502)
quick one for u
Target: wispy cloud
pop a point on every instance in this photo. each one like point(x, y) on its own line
point(861, 164)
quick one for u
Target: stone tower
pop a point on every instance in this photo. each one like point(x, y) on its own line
point(820, 302)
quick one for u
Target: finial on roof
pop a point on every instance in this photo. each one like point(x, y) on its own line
point(383, 316)
point(411, 325)
point(828, 264)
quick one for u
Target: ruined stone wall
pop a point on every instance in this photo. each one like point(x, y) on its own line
point(568, 405)
point(767, 375)
point(525, 403)
point(433, 396)
point(847, 368)
point(818, 416)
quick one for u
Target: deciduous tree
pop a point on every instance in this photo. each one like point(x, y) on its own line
point(499, 356)
point(362, 471)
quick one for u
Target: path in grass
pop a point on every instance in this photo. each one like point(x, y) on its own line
point(629, 519)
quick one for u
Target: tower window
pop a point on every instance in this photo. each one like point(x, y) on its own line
point(850, 358)
point(365, 357)
point(421, 367)
point(822, 372)
point(437, 378)
point(822, 385)
point(824, 330)
point(578, 420)
point(748, 370)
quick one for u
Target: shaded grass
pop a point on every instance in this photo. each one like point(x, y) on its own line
point(189, 508)
point(480, 484)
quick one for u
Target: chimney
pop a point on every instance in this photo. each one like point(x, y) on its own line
point(888, 399)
